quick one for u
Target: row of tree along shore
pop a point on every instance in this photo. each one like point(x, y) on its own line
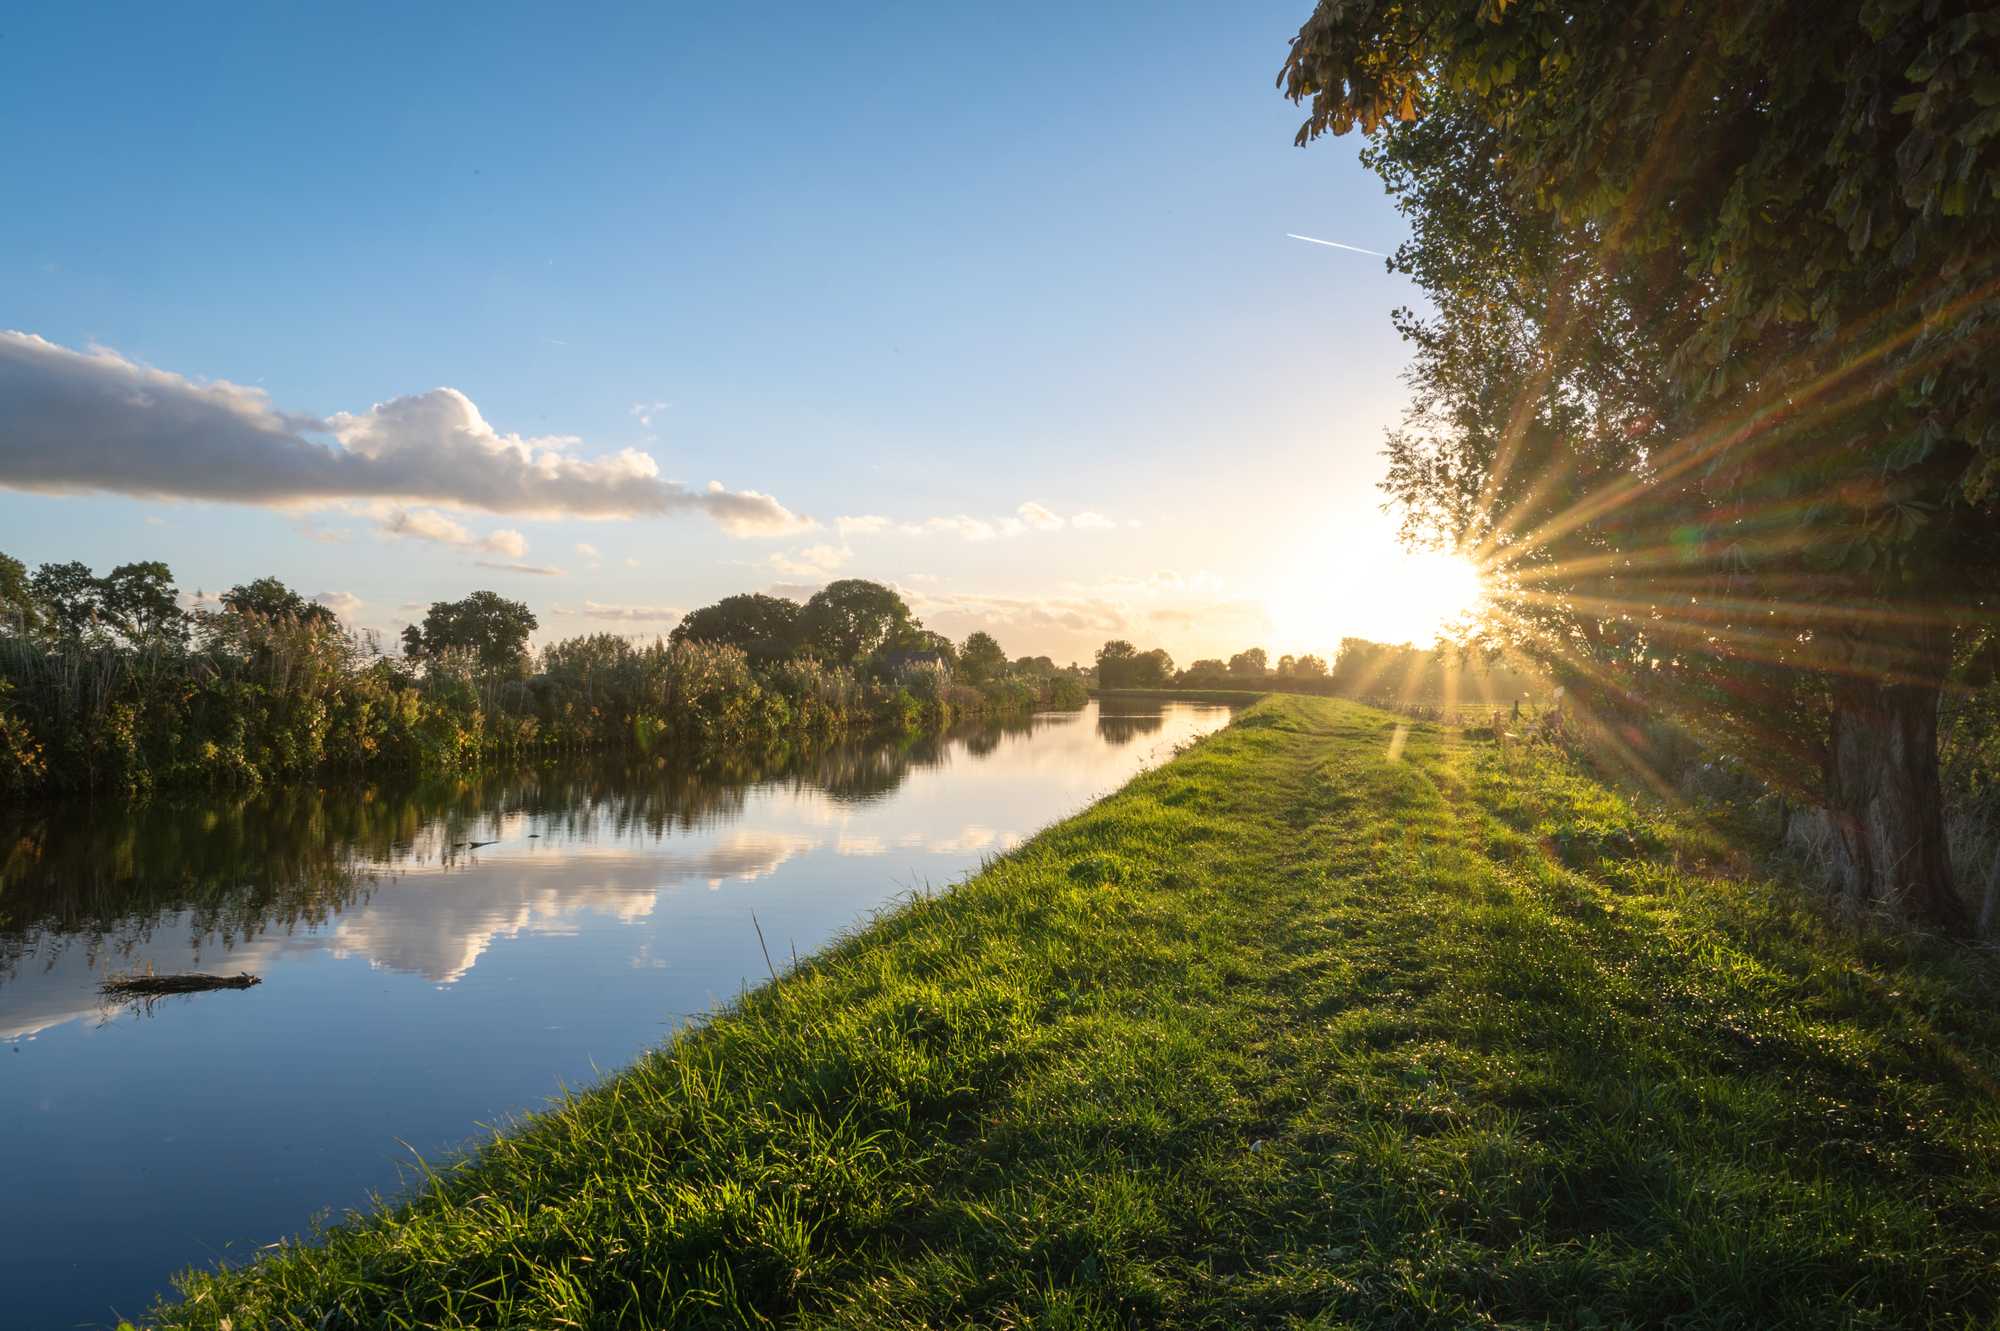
point(107, 683)
point(1372, 672)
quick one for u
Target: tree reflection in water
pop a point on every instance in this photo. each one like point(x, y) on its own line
point(287, 860)
point(1121, 721)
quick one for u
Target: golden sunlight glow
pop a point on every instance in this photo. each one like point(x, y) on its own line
point(1387, 595)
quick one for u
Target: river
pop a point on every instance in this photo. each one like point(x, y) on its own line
point(435, 957)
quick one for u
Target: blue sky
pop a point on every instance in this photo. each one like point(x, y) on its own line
point(925, 264)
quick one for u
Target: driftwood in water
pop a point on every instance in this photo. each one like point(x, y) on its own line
point(148, 985)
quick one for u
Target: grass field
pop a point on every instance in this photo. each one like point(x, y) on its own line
point(1316, 1026)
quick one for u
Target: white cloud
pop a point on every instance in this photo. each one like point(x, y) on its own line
point(1092, 522)
point(813, 561)
point(587, 550)
point(645, 411)
point(94, 421)
point(425, 524)
point(344, 604)
point(863, 524)
point(1038, 517)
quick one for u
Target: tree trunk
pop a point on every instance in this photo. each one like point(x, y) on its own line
point(1886, 806)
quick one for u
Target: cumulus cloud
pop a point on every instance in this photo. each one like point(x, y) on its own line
point(750, 512)
point(94, 421)
point(430, 525)
point(1036, 516)
point(343, 604)
point(811, 562)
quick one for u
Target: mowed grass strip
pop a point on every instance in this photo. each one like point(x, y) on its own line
point(1319, 1025)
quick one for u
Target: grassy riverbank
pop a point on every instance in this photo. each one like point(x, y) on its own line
point(1315, 1026)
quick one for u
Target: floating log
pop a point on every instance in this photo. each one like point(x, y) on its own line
point(149, 985)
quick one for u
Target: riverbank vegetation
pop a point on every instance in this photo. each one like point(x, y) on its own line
point(1371, 672)
point(106, 683)
point(1335, 1019)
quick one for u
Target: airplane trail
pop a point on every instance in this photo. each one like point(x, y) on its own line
point(1315, 240)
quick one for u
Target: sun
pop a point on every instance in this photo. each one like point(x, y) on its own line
point(1387, 595)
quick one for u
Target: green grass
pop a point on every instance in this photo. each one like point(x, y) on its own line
point(1285, 1033)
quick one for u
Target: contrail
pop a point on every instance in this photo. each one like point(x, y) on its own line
point(1315, 240)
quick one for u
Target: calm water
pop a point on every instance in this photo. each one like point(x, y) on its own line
point(417, 986)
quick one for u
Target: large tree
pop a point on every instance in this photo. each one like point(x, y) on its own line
point(1710, 388)
point(140, 601)
point(981, 658)
point(486, 625)
point(849, 618)
point(1120, 665)
point(765, 627)
point(270, 598)
point(72, 605)
point(69, 599)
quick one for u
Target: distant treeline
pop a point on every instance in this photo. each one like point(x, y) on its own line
point(107, 683)
point(1368, 671)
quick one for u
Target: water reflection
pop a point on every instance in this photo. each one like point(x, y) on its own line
point(1121, 721)
point(435, 954)
point(220, 885)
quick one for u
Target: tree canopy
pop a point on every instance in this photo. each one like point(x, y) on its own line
point(981, 657)
point(1120, 665)
point(766, 628)
point(851, 617)
point(488, 626)
point(70, 604)
point(1710, 390)
point(269, 598)
point(1249, 661)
